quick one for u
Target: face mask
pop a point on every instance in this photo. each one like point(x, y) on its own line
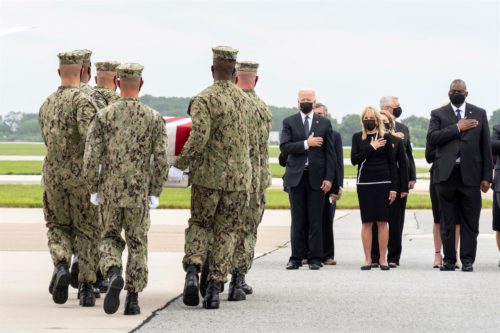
point(369, 124)
point(387, 126)
point(457, 99)
point(306, 107)
point(397, 112)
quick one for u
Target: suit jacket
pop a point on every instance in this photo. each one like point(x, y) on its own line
point(495, 149)
point(410, 162)
point(430, 154)
point(322, 160)
point(474, 145)
point(339, 154)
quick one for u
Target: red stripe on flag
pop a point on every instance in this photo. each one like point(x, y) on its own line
point(172, 119)
point(181, 137)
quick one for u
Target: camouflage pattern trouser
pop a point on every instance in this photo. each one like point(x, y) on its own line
point(246, 234)
point(71, 218)
point(135, 221)
point(216, 214)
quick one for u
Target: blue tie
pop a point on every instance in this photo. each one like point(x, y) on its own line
point(306, 126)
point(459, 115)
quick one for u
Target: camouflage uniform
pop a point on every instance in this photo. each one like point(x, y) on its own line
point(64, 119)
point(129, 140)
point(103, 96)
point(217, 153)
point(260, 124)
point(86, 89)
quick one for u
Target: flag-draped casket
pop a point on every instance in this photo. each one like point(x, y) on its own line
point(178, 129)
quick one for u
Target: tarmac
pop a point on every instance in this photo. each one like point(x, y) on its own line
point(342, 298)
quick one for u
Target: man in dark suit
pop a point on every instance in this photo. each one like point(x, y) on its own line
point(306, 140)
point(462, 167)
point(330, 202)
point(495, 149)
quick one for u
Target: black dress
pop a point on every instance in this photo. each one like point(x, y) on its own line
point(377, 176)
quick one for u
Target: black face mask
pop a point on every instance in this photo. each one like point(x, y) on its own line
point(369, 124)
point(387, 126)
point(306, 107)
point(457, 99)
point(397, 112)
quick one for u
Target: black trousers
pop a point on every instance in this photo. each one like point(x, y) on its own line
point(306, 206)
point(328, 239)
point(396, 225)
point(459, 203)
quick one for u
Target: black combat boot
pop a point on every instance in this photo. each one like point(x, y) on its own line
point(61, 283)
point(112, 298)
point(211, 300)
point(236, 293)
point(132, 304)
point(246, 288)
point(75, 270)
point(191, 295)
point(87, 297)
point(52, 280)
point(204, 278)
point(100, 282)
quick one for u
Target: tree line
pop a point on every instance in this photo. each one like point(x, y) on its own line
point(19, 126)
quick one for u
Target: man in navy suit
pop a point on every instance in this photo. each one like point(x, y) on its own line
point(330, 202)
point(307, 141)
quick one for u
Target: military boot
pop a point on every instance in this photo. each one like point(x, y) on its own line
point(246, 288)
point(211, 300)
point(61, 283)
point(204, 278)
point(236, 293)
point(52, 280)
point(87, 297)
point(95, 290)
point(75, 270)
point(191, 296)
point(132, 304)
point(100, 282)
point(112, 298)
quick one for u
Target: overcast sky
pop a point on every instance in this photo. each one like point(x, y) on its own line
point(351, 52)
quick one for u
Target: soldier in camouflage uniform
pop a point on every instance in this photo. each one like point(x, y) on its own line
point(64, 119)
point(217, 153)
point(260, 123)
point(87, 71)
point(87, 90)
point(104, 93)
point(129, 141)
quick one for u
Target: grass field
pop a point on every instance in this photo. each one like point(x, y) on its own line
point(274, 151)
point(30, 196)
point(20, 149)
point(20, 167)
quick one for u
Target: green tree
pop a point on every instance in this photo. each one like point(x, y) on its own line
point(350, 124)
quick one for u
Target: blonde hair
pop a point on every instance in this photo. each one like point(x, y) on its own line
point(390, 117)
point(380, 130)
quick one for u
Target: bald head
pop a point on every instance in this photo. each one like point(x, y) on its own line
point(223, 69)
point(130, 87)
point(106, 79)
point(246, 80)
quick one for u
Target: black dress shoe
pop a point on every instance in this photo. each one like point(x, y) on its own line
point(314, 266)
point(374, 265)
point(393, 265)
point(75, 270)
point(447, 267)
point(132, 304)
point(112, 298)
point(86, 295)
point(191, 296)
point(211, 300)
point(236, 293)
point(292, 264)
point(384, 268)
point(367, 267)
point(61, 284)
point(467, 267)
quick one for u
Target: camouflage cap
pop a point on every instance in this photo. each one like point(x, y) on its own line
point(130, 70)
point(70, 58)
point(86, 55)
point(224, 52)
point(247, 66)
point(106, 66)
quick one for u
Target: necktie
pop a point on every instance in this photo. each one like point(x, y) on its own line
point(306, 126)
point(459, 115)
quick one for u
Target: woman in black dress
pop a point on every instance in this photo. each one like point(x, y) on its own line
point(376, 182)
